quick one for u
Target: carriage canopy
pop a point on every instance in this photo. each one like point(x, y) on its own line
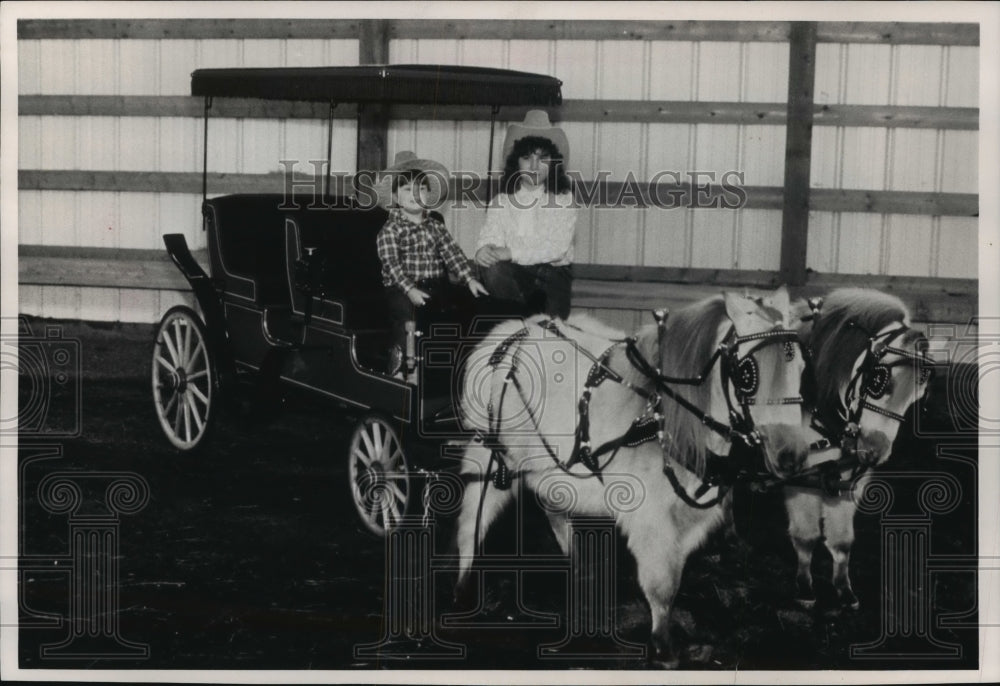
point(390, 84)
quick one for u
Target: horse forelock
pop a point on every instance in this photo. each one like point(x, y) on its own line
point(839, 335)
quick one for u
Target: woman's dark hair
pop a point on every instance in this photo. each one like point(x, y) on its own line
point(408, 176)
point(557, 182)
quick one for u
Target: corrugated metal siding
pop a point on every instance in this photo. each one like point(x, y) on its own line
point(894, 159)
point(844, 157)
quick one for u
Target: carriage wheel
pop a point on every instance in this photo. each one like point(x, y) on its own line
point(185, 379)
point(380, 478)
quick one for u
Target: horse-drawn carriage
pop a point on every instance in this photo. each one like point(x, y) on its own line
point(294, 296)
point(686, 408)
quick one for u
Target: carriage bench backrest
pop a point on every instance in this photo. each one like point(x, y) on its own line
point(344, 238)
point(246, 247)
point(246, 235)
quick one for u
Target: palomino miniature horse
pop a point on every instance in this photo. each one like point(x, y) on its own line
point(867, 368)
point(536, 423)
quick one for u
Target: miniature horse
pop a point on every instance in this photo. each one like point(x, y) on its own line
point(867, 368)
point(536, 425)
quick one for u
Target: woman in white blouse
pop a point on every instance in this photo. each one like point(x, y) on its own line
point(525, 250)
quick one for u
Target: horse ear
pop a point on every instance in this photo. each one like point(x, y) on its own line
point(740, 310)
point(779, 300)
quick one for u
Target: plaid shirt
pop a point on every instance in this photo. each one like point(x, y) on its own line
point(413, 252)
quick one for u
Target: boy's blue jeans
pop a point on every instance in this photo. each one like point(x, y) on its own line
point(445, 297)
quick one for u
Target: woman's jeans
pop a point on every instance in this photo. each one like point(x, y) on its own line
point(539, 287)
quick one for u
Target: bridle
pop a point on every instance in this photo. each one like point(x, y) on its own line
point(871, 380)
point(740, 377)
point(740, 381)
point(873, 376)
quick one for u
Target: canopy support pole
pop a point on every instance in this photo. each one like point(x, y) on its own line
point(329, 152)
point(204, 155)
point(489, 164)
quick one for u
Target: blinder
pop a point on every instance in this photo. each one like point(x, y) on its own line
point(878, 381)
point(874, 377)
point(747, 377)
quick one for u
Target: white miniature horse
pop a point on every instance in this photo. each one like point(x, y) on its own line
point(537, 422)
point(867, 367)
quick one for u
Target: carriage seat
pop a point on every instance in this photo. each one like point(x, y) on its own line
point(345, 259)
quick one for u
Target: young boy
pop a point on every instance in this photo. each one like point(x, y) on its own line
point(415, 248)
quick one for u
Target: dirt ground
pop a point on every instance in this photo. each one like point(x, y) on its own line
point(250, 556)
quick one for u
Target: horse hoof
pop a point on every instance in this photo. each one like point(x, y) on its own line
point(663, 657)
point(664, 664)
point(849, 601)
point(806, 603)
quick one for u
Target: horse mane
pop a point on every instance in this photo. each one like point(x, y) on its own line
point(840, 333)
point(688, 344)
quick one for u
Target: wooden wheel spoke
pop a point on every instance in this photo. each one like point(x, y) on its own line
point(377, 443)
point(396, 458)
point(187, 417)
point(162, 361)
point(187, 343)
point(199, 424)
point(398, 495)
point(170, 403)
point(199, 351)
point(368, 444)
point(179, 415)
point(365, 459)
point(387, 519)
point(197, 393)
point(171, 349)
point(197, 375)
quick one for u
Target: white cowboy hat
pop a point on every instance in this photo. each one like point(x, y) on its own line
point(536, 123)
point(437, 178)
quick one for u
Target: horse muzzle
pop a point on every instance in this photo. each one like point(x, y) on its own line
point(870, 448)
point(785, 447)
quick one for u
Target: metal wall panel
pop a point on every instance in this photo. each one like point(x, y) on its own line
point(98, 220)
point(958, 248)
point(158, 67)
point(29, 217)
point(898, 159)
point(908, 249)
point(667, 237)
point(179, 213)
point(960, 162)
point(758, 240)
point(961, 88)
